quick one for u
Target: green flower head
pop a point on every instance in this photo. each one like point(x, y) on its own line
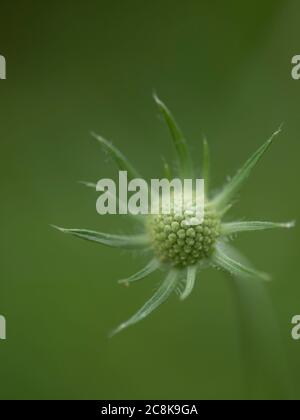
point(178, 248)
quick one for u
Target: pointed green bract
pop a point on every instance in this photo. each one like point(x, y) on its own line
point(222, 212)
point(236, 182)
point(121, 161)
point(88, 184)
point(115, 241)
point(160, 296)
point(183, 153)
point(190, 282)
point(236, 268)
point(234, 253)
point(206, 165)
point(238, 227)
point(144, 272)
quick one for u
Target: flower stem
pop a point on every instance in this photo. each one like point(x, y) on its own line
point(264, 364)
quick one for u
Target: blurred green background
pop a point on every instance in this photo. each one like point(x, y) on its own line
point(72, 67)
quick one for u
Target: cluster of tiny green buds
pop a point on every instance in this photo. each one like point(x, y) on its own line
point(178, 242)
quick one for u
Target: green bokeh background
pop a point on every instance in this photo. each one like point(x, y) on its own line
point(224, 68)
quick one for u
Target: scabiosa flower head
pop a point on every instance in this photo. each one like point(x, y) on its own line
point(178, 243)
point(180, 248)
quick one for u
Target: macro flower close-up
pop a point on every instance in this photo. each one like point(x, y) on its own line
point(150, 237)
point(180, 249)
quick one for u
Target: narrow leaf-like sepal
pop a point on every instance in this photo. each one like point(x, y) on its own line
point(183, 153)
point(88, 184)
point(237, 181)
point(190, 282)
point(160, 296)
point(206, 165)
point(121, 161)
point(144, 272)
point(238, 227)
point(115, 241)
point(236, 268)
